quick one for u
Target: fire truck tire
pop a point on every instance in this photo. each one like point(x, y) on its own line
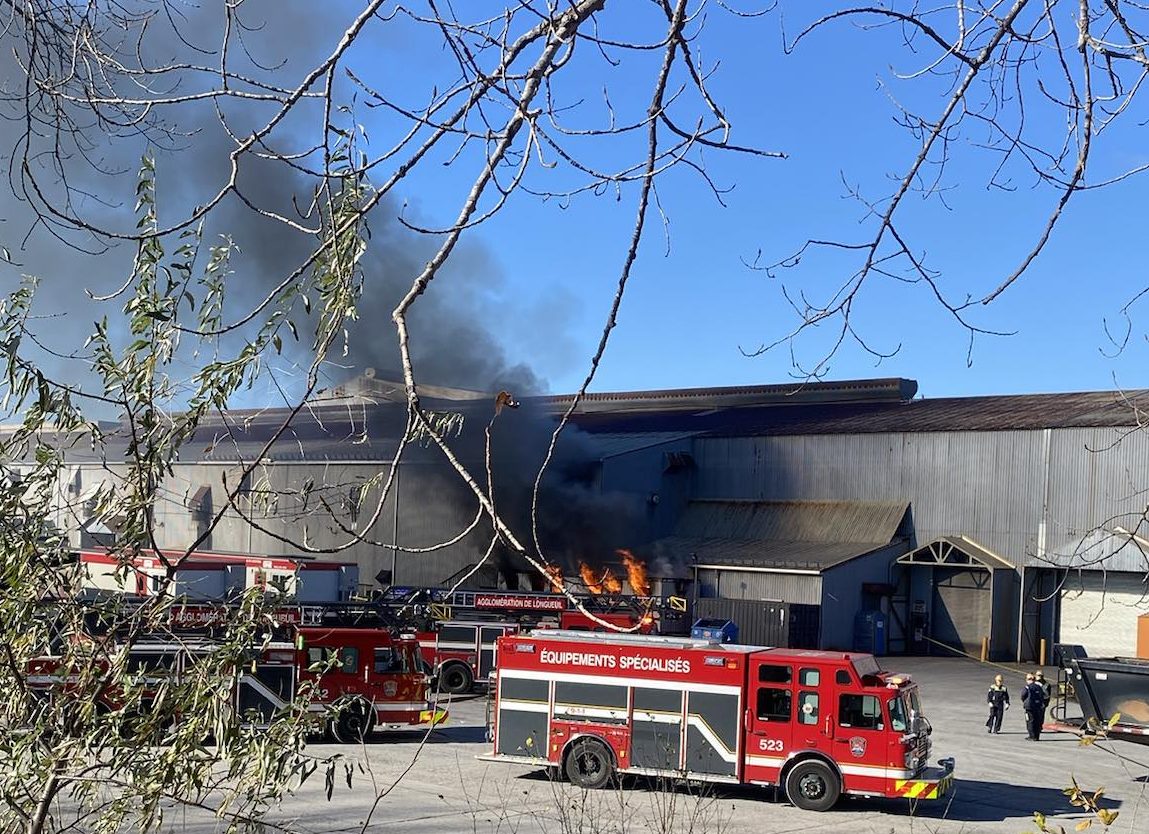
point(813, 785)
point(456, 678)
point(354, 723)
point(588, 764)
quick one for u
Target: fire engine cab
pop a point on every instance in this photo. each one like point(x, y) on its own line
point(818, 724)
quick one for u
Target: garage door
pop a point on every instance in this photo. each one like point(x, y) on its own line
point(1100, 612)
point(963, 603)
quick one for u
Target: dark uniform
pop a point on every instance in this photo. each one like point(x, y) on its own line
point(1033, 697)
point(1046, 687)
point(998, 699)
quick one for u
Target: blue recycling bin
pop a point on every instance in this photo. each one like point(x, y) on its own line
point(721, 631)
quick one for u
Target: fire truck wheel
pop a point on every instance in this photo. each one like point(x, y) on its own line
point(353, 724)
point(456, 678)
point(813, 786)
point(589, 764)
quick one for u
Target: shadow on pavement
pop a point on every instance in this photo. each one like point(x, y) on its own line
point(971, 801)
point(977, 801)
point(440, 735)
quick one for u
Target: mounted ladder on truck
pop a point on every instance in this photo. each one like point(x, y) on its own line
point(460, 637)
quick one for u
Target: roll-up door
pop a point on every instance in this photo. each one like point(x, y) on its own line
point(962, 609)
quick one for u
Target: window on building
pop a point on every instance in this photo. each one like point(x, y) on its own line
point(862, 712)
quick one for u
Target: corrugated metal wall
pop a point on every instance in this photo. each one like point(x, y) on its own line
point(782, 624)
point(988, 485)
point(1096, 479)
point(743, 584)
point(842, 593)
point(432, 508)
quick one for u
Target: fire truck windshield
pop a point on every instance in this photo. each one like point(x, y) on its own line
point(898, 714)
point(915, 704)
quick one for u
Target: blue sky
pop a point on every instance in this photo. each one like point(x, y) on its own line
point(688, 313)
point(541, 274)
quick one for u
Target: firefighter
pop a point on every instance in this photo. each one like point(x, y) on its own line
point(998, 699)
point(1033, 698)
point(1046, 688)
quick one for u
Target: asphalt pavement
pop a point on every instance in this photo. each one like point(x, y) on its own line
point(417, 785)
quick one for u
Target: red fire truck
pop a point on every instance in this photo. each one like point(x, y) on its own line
point(373, 678)
point(818, 724)
point(463, 651)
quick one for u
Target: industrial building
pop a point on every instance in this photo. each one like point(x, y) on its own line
point(1024, 514)
point(801, 511)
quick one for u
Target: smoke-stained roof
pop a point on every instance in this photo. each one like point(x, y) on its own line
point(994, 413)
point(893, 389)
point(788, 535)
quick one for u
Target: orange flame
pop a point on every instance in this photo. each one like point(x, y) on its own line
point(555, 575)
point(636, 573)
point(592, 582)
point(611, 584)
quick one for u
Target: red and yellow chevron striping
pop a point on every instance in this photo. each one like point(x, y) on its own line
point(919, 789)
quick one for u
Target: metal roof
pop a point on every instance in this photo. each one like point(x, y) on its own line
point(612, 445)
point(875, 522)
point(784, 535)
point(761, 554)
point(694, 399)
point(995, 413)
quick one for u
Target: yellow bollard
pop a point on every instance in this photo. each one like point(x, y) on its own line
point(1041, 653)
point(984, 649)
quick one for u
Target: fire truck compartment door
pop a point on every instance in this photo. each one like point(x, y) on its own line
point(521, 728)
point(713, 727)
point(262, 692)
point(656, 734)
point(488, 635)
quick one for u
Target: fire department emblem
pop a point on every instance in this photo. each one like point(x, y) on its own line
point(857, 746)
point(390, 688)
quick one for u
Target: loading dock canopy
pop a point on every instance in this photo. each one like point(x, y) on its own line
point(782, 535)
point(969, 597)
point(955, 552)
